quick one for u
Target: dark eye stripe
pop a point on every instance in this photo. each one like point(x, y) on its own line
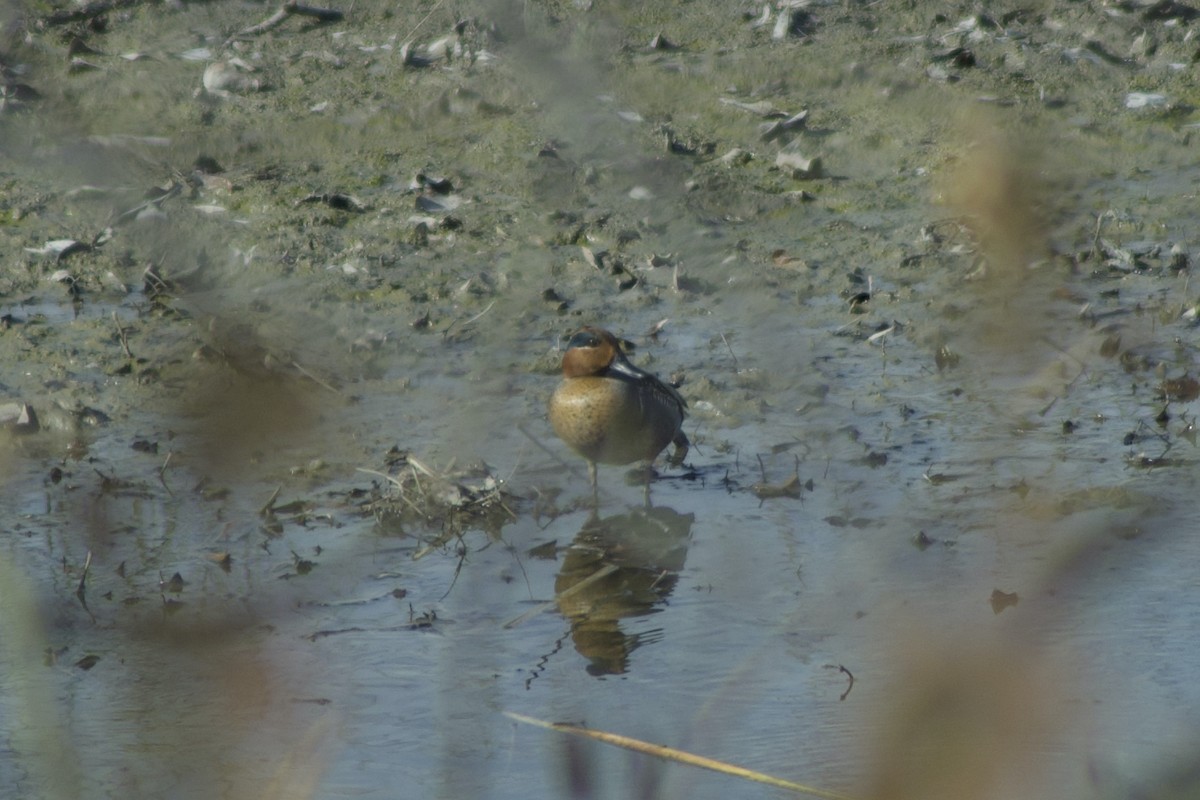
point(583, 339)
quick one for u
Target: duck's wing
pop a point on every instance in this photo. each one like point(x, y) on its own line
point(622, 368)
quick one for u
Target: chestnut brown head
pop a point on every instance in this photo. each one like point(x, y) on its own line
point(590, 352)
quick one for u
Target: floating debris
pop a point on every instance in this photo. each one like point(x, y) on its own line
point(428, 204)
point(1179, 258)
point(77, 65)
point(124, 141)
point(446, 500)
point(1137, 100)
point(409, 56)
point(87, 662)
point(781, 258)
point(174, 585)
point(685, 147)
point(783, 24)
point(792, 487)
point(226, 78)
point(336, 200)
point(1002, 600)
point(594, 259)
point(154, 284)
point(798, 166)
point(880, 334)
point(1169, 10)
point(14, 96)
point(62, 276)
point(421, 182)
point(945, 358)
point(288, 9)
point(150, 209)
point(762, 108)
point(222, 560)
point(1184, 389)
point(660, 42)
point(207, 165)
point(60, 248)
point(444, 48)
point(462, 43)
point(956, 56)
point(78, 45)
point(793, 20)
point(18, 418)
point(774, 130)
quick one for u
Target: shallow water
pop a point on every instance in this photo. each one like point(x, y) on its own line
point(848, 337)
point(735, 659)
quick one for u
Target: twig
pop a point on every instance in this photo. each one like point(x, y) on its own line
point(1096, 236)
point(81, 590)
point(269, 506)
point(399, 488)
point(285, 11)
point(418, 469)
point(462, 559)
point(121, 335)
point(424, 19)
point(731, 353)
point(162, 473)
point(88, 11)
point(273, 21)
point(680, 756)
point(128, 214)
point(481, 313)
point(877, 335)
point(520, 565)
point(446, 332)
point(383, 475)
point(314, 378)
point(849, 675)
point(419, 466)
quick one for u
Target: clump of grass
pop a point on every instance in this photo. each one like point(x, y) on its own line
point(450, 500)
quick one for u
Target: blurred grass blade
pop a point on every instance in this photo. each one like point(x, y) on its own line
point(680, 756)
point(603, 572)
point(38, 733)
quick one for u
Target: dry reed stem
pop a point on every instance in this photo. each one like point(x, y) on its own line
point(680, 756)
point(603, 572)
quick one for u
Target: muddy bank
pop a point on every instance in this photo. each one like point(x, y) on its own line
point(921, 274)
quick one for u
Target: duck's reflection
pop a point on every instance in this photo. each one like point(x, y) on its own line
point(618, 567)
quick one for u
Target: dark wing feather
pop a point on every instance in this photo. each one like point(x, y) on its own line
point(622, 368)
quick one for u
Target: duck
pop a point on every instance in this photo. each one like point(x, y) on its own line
point(611, 412)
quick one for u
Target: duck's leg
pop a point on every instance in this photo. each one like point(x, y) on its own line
point(681, 449)
point(594, 481)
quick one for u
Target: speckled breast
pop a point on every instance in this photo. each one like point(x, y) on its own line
point(613, 421)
